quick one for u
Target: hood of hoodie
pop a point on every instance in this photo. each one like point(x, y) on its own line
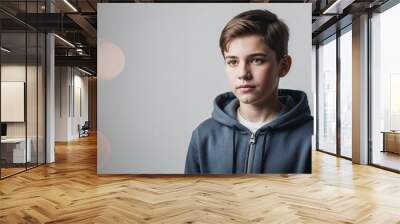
point(297, 110)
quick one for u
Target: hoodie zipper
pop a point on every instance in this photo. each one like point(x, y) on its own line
point(250, 153)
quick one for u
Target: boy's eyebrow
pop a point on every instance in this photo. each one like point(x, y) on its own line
point(232, 57)
point(251, 55)
point(258, 54)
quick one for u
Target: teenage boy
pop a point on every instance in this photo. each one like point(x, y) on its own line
point(256, 128)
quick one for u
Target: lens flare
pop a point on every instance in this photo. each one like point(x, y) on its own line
point(111, 60)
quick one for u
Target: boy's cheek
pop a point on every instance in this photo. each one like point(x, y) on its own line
point(229, 72)
point(231, 81)
point(233, 89)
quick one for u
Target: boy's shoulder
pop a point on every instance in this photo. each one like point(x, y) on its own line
point(208, 126)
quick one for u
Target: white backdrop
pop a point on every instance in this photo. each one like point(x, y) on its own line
point(159, 70)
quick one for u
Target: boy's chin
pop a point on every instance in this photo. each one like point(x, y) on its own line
point(247, 99)
point(251, 98)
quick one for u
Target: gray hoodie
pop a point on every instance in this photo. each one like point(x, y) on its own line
point(221, 145)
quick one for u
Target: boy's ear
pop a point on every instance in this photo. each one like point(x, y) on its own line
point(286, 62)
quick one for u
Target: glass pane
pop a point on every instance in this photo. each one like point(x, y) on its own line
point(386, 89)
point(31, 84)
point(41, 98)
point(346, 94)
point(13, 86)
point(31, 100)
point(314, 92)
point(327, 97)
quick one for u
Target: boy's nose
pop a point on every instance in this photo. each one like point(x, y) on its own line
point(245, 76)
point(244, 73)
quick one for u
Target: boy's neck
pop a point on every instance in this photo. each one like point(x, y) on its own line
point(260, 113)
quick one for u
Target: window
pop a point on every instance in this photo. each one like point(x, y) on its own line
point(346, 93)
point(385, 89)
point(327, 96)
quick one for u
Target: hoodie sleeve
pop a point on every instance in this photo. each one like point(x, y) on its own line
point(192, 160)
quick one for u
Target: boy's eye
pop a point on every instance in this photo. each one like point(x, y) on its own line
point(257, 61)
point(231, 62)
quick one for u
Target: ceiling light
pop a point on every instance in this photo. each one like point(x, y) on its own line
point(5, 49)
point(65, 41)
point(338, 6)
point(84, 71)
point(70, 5)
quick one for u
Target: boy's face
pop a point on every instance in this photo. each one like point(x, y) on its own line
point(253, 69)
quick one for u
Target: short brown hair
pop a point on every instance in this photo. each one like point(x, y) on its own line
point(258, 22)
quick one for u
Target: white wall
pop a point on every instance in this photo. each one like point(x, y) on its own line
point(67, 80)
point(61, 103)
point(157, 78)
point(81, 83)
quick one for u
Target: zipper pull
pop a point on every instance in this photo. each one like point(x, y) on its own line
point(252, 138)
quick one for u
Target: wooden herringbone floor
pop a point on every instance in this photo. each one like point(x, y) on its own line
point(70, 191)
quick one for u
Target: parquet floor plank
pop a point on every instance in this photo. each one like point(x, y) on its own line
point(70, 191)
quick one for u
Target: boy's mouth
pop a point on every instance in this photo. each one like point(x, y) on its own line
point(246, 88)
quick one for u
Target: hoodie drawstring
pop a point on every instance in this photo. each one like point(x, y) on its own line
point(234, 151)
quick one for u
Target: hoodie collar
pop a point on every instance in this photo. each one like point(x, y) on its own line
point(297, 110)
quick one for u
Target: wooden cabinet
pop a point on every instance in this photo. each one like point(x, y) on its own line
point(391, 141)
